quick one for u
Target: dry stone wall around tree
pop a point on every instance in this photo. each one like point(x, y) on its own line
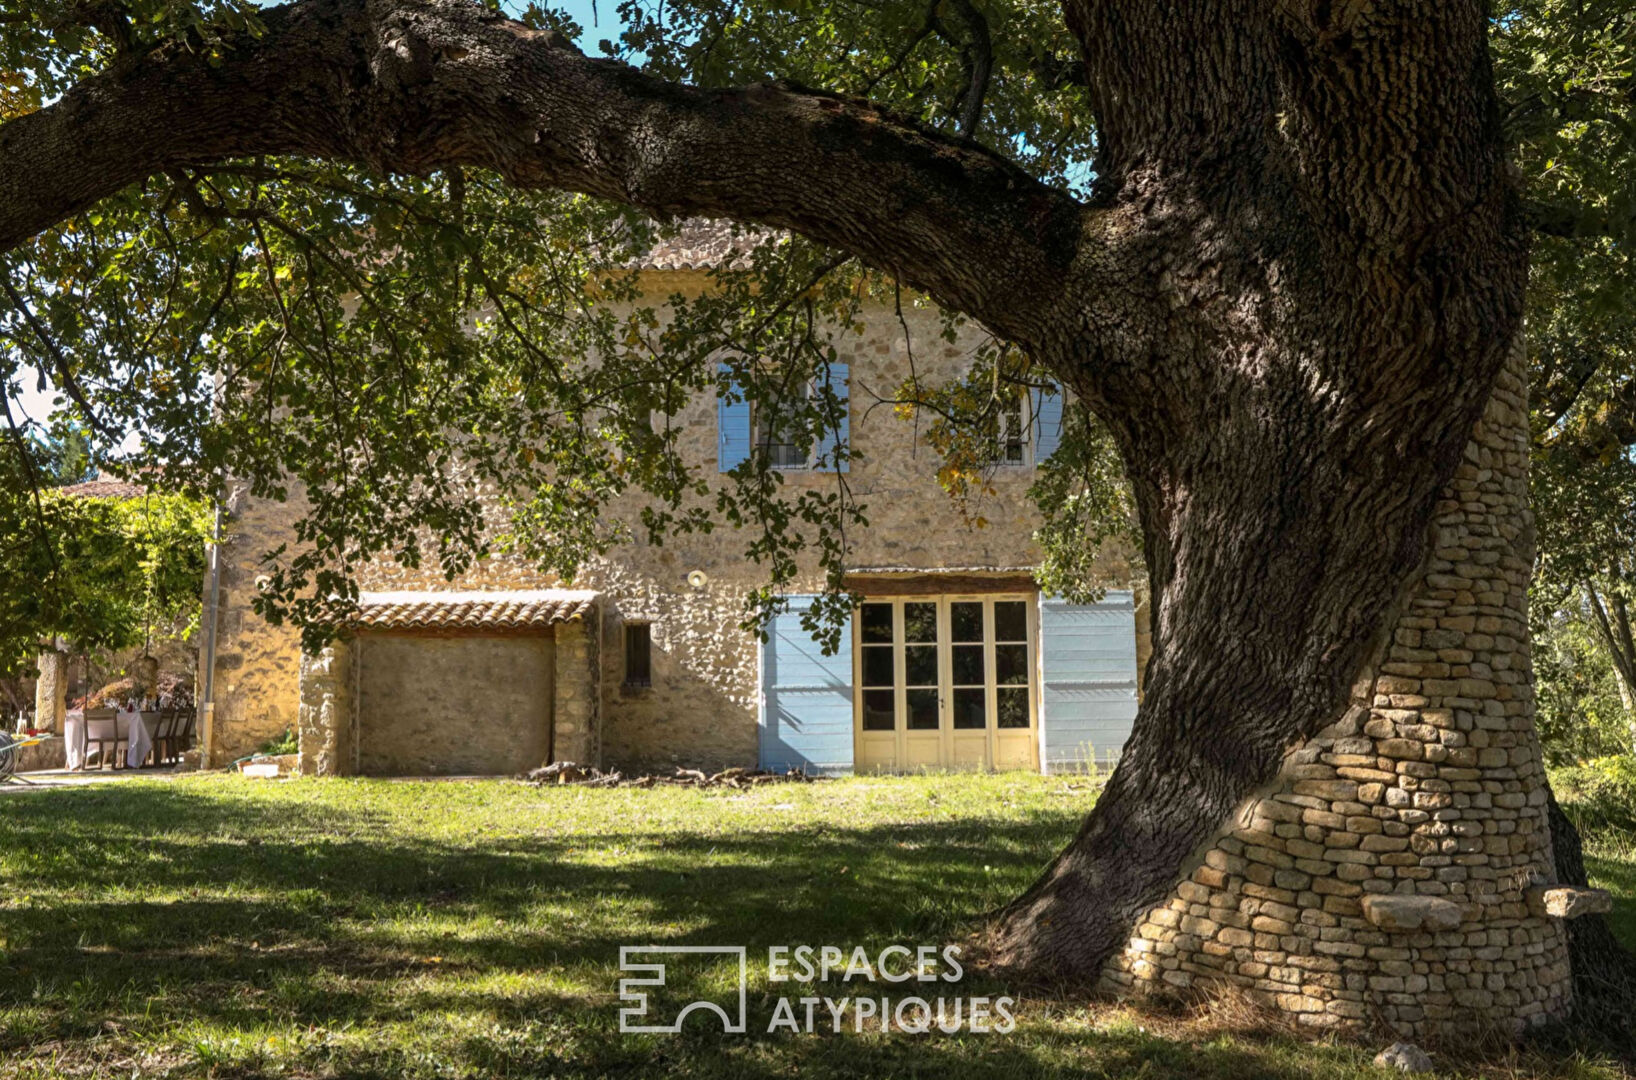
point(1387, 878)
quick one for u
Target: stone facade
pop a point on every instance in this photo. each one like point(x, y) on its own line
point(701, 706)
point(257, 692)
point(577, 696)
point(325, 712)
point(1386, 876)
point(452, 704)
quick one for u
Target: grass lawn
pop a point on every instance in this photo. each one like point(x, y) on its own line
point(213, 926)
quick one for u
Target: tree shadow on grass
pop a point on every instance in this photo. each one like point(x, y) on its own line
point(172, 911)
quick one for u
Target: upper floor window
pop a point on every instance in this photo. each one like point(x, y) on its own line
point(1012, 431)
point(777, 435)
point(744, 428)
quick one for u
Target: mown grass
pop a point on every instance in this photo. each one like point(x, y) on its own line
point(212, 926)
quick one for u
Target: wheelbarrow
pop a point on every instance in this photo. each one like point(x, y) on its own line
point(10, 745)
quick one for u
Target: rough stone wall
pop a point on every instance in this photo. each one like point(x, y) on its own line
point(577, 707)
point(87, 674)
point(325, 711)
point(457, 705)
point(51, 690)
point(257, 689)
point(701, 707)
point(41, 756)
point(1432, 793)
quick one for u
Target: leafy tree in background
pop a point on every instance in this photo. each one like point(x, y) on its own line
point(257, 236)
point(66, 454)
point(1567, 74)
point(1581, 711)
point(97, 573)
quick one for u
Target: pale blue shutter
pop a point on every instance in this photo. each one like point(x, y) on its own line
point(839, 378)
point(806, 698)
point(1088, 679)
point(732, 428)
point(1047, 413)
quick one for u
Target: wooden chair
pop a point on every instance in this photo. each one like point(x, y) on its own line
point(170, 729)
point(104, 729)
point(182, 739)
point(161, 730)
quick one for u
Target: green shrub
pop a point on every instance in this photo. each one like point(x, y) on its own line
point(284, 744)
point(1599, 795)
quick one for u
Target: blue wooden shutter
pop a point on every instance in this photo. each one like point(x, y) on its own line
point(1088, 679)
point(839, 378)
point(1047, 413)
point(733, 433)
point(806, 697)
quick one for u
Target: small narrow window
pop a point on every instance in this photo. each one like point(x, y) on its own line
point(638, 654)
point(1012, 445)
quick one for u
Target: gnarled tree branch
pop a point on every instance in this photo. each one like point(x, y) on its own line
point(420, 85)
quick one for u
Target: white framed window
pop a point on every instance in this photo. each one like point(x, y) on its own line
point(1012, 443)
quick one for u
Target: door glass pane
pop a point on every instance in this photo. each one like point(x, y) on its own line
point(922, 710)
point(1011, 702)
point(878, 669)
point(1011, 665)
point(920, 622)
point(877, 624)
point(969, 709)
point(1010, 620)
point(968, 665)
point(921, 660)
point(966, 622)
point(878, 710)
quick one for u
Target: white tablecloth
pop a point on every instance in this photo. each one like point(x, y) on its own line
point(141, 738)
point(138, 724)
point(73, 738)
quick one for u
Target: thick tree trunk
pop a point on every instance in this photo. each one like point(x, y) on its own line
point(1426, 780)
point(1339, 700)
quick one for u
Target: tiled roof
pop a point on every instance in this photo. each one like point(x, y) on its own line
point(515, 610)
point(940, 570)
point(103, 489)
point(702, 244)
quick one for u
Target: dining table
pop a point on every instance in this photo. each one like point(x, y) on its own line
point(141, 726)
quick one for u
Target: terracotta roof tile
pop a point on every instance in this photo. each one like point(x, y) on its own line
point(103, 489)
point(703, 244)
point(471, 610)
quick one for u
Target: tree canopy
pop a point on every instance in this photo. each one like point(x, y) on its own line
point(298, 318)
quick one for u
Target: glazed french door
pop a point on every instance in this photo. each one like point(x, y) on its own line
point(945, 682)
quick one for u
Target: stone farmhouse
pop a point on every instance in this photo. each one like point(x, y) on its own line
point(954, 659)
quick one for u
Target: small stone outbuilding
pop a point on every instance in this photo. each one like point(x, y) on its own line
point(455, 683)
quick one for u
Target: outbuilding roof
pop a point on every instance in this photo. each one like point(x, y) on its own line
point(103, 487)
point(480, 610)
point(704, 244)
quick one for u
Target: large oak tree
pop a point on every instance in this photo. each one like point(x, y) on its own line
point(1272, 246)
